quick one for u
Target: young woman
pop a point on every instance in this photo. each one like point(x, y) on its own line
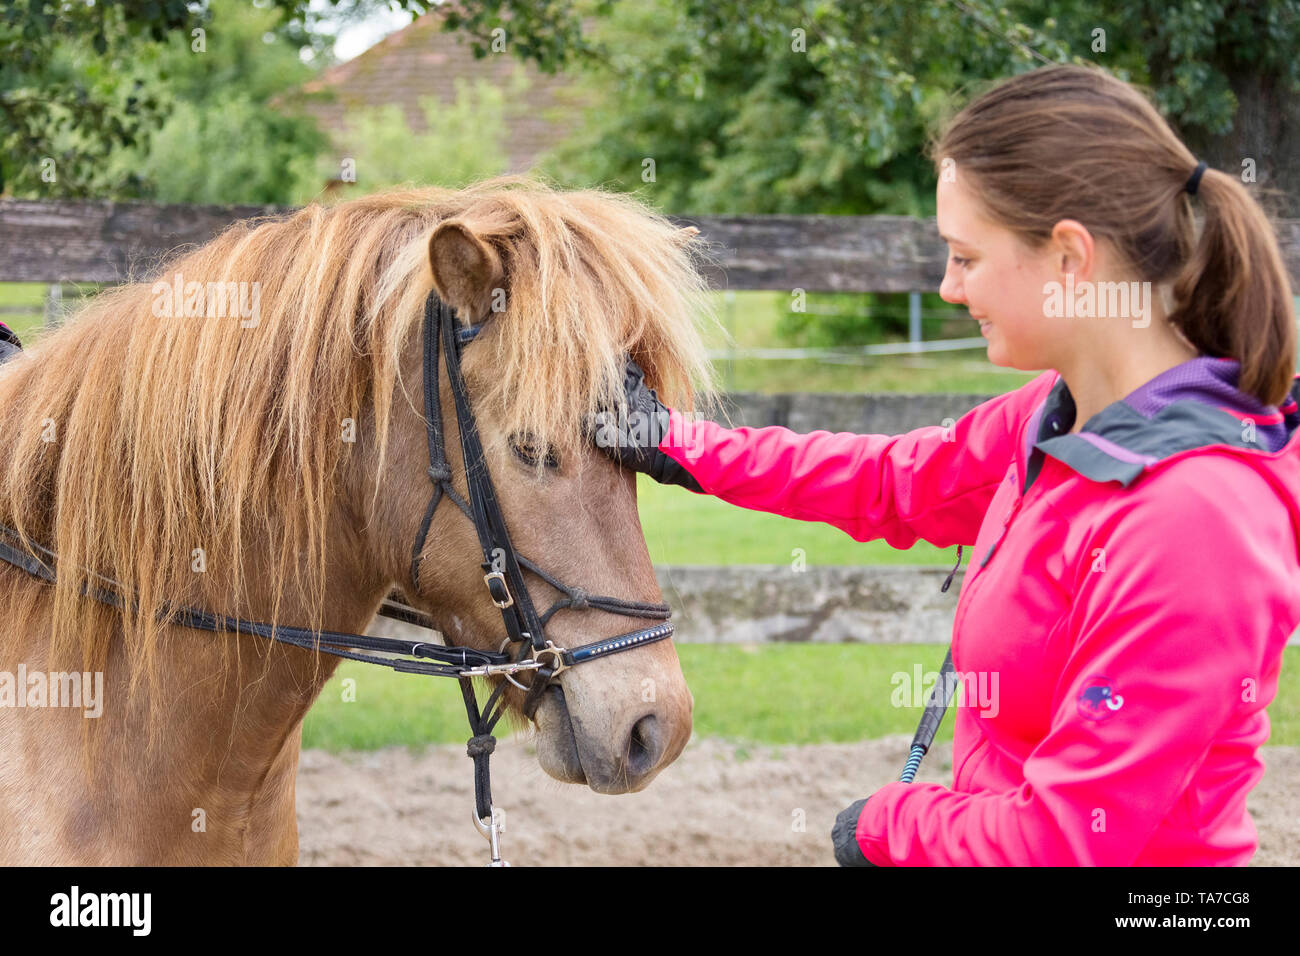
point(1133, 510)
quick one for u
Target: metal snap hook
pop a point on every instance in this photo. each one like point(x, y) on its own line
point(557, 653)
point(492, 833)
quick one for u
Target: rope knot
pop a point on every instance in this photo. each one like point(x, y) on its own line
point(440, 473)
point(481, 745)
point(578, 599)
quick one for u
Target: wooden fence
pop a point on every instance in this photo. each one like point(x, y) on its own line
point(113, 242)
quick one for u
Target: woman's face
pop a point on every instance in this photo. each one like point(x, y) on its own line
point(1000, 280)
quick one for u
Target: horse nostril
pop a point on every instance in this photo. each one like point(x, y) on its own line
point(643, 748)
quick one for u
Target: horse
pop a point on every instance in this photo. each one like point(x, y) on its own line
point(241, 432)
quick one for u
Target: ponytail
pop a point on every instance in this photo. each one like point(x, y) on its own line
point(1234, 296)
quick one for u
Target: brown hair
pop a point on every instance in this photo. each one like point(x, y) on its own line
point(1073, 142)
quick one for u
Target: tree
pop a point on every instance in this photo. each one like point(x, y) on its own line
point(738, 118)
point(229, 130)
point(1223, 71)
point(75, 83)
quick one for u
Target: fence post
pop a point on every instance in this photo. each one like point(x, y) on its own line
point(729, 323)
point(914, 320)
point(53, 305)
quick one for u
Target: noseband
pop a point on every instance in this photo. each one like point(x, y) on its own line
point(503, 578)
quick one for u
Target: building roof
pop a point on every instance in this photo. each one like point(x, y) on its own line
point(422, 60)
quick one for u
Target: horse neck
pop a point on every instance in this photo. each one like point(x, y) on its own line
point(257, 691)
point(276, 684)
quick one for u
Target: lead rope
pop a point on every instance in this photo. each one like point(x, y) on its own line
point(489, 820)
point(936, 705)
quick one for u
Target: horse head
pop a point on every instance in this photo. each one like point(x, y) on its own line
point(561, 286)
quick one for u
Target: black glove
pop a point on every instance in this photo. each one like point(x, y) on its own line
point(9, 344)
point(634, 441)
point(844, 836)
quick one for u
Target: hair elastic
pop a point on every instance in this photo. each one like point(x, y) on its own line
point(1195, 180)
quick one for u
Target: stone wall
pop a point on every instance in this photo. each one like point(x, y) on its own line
point(761, 603)
point(754, 604)
point(865, 414)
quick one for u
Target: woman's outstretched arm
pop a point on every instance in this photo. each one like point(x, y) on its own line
point(932, 483)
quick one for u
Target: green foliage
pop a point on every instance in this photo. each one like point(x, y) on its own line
point(840, 319)
point(69, 94)
point(80, 82)
point(802, 106)
point(744, 106)
point(767, 106)
point(463, 141)
point(1192, 54)
point(223, 139)
point(241, 152)
point(547, 32)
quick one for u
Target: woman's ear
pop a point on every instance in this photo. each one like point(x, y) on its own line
point(467, 271)
point(1074, 248)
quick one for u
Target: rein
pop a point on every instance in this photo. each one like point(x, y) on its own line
point(503, 577)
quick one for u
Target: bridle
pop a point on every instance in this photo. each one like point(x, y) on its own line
point(502, 567)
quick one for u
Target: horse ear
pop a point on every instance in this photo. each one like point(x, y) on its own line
point(686, 234)
point(466, 270)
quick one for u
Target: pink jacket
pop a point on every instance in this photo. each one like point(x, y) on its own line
point(1131, 586)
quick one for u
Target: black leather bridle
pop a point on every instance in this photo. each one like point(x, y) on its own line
point(502, 565)
point(502, 575)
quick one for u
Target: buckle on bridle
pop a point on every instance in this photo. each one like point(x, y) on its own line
point(497, 588)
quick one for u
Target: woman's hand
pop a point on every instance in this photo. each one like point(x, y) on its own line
point(844, 836)
point(634, 441)
point(9, 344)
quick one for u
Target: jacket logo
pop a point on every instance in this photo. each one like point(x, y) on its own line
point(1098, 699)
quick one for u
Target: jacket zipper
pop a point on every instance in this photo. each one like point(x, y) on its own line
point(1006, 524)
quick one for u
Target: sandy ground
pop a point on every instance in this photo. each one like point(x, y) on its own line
point(719, 804)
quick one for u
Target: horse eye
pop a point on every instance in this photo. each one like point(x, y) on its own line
point(532, 452)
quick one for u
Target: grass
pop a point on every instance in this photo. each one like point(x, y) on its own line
point(30, 296)
point(685, 528)
point(751, 319)
point(773, 694)
point(965, 373)
point(27, 295)
point(763, 695)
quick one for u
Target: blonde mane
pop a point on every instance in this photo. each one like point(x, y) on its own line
point(138, 444)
